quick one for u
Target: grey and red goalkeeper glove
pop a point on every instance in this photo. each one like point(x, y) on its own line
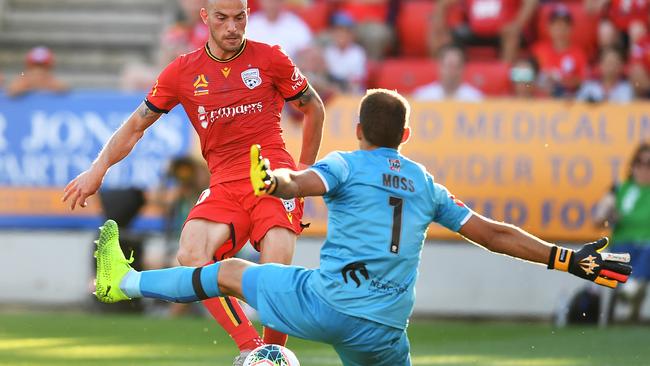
point(606, 269)
point(260, 173)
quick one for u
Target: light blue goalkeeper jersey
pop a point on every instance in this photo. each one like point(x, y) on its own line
point(380, 205)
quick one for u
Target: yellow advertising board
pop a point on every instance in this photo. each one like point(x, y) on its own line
point(541, 165)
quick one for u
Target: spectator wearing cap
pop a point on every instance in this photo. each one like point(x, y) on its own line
point(562, 64)
point(611, 86)
point(346, 60)
point(38, 74)
point(275, 25)
point(523, 76)
point(451, 66)
point(497, 23)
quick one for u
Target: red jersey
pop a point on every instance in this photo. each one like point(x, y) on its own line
point(569, 66)
point(232, 104)
point(487, 17)
point(623, 12)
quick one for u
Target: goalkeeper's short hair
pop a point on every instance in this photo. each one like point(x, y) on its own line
point(383, 115)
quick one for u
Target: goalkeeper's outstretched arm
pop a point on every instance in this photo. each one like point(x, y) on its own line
point(607, 269)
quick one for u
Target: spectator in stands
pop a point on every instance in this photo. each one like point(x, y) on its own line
point(498, 23)
point(623, 22)
point(186, 34)
point(611, 86)
point(374, 24)
point(639, 69)
point(451, 65)
point(38, 74)
point(346, 60)
point(311, 62)
point(563, 65)
point(273, 24)
point(626, 209)
point(523, 76)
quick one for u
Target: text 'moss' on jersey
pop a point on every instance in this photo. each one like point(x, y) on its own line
point(232, 103)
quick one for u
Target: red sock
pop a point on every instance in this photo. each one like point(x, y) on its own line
point(227, 312)
point(274, 337)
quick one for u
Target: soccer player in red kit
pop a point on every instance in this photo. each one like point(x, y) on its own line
point(233, 91)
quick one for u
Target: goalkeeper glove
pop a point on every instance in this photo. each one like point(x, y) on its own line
point(261, 177)
point(606, 269)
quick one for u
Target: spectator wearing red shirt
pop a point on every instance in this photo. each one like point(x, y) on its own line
point(639, 69)
point(499, 23)
point(373, 31)
point(562, 65)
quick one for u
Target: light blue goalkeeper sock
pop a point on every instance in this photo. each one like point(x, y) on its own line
point(178, 284)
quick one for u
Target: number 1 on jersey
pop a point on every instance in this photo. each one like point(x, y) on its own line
point(396, 202)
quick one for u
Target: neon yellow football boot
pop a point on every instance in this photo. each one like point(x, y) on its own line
point(112, 266)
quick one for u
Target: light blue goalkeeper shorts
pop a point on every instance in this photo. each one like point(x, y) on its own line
point(285, 302)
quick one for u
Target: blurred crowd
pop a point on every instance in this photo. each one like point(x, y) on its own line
point(588, 50)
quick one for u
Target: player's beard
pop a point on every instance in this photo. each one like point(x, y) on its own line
point(231, 43)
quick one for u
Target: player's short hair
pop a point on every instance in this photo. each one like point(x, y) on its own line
point(383, 115)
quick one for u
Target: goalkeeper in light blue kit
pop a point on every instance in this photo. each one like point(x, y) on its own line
point(380, 204)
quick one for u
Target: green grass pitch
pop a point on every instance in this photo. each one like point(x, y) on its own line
point(43, 339)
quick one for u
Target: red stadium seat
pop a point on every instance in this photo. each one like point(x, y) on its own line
point(316, 14)
point(585, 26)
point(492, 78)
point(413, 27)
point(404, 75)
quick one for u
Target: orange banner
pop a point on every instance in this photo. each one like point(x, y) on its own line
point(540, 165)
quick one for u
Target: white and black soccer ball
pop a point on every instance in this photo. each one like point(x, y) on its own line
point(271, 355)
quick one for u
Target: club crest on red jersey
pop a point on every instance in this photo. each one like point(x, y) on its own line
point(251, 78)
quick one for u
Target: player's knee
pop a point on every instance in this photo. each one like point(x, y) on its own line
point(191, 257)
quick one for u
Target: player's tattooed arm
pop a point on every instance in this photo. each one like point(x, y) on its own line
point(127, 135)
point(312, 106)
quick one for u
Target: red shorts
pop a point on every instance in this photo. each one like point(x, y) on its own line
point(250, 217)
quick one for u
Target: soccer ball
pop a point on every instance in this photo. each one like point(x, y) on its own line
point(271, 355)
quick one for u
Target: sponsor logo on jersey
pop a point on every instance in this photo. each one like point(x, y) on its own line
point(206, 117)
point(394, 165)
point(200, 85)
point(297, 78)
point(203, 196)
point(251, 78)
point(351, 270)
point(225, 71)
